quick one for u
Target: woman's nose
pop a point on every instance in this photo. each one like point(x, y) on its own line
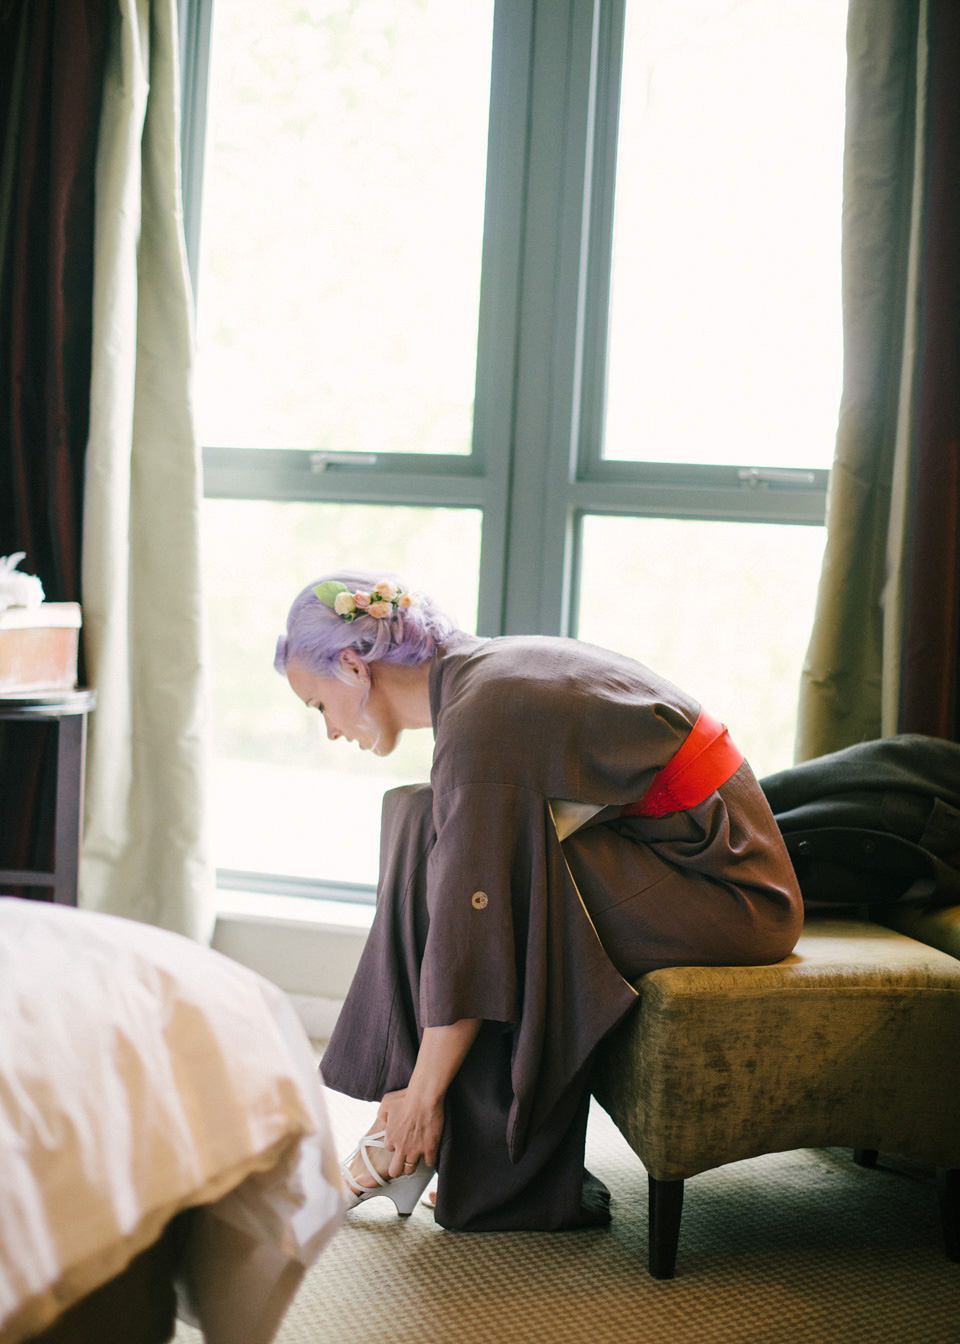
point(333, 733)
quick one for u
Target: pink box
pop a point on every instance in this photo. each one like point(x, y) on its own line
point(38, 647)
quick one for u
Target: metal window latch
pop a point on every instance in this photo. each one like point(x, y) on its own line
point(755, 477)
point(323, 461)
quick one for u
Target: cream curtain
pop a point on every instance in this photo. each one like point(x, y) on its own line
point(145, 853)
point(851, 678)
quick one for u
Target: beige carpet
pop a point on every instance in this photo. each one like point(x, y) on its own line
point(802, 1246)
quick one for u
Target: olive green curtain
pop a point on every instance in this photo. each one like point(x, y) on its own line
point(850, 684)
point(145, 843)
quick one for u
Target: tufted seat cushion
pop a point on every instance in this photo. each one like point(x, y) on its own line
point(851, 1041)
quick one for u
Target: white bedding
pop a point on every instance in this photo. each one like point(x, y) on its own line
point(141, 1074)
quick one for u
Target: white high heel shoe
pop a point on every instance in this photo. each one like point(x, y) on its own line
point(403, 1190)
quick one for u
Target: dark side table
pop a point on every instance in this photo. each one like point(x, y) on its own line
point(68, 711)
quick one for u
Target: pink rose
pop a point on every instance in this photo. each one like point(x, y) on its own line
point(379, 610)
point(362, 600)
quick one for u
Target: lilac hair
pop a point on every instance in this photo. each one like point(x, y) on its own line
point(316, 636)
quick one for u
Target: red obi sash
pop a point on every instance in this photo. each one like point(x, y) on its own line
point(704, 761)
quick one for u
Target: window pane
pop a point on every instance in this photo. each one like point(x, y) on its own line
point(286, 800)
point(722, 609)
point(342, 223)
point(725, 337)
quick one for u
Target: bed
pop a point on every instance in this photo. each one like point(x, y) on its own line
point(163, 1138)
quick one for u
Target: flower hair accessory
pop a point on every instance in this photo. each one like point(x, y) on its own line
point(385, 599)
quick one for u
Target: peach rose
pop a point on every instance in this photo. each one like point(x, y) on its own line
point(379, 610)
point(386, 590)
point(406, 600)
point(362, 600)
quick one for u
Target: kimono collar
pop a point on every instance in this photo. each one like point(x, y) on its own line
point(453, 651)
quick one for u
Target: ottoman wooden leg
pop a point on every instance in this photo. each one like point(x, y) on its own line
point(948, 1188)
point(865, 1157)
point(665, 1208)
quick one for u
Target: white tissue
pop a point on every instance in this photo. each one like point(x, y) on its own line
point(18, 590)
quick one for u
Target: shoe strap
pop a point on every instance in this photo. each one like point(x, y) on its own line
point(367, 1141)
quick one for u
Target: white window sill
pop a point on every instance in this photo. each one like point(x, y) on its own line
point(309, 947)
point(307, 910)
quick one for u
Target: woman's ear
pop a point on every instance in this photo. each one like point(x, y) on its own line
point(357, 668)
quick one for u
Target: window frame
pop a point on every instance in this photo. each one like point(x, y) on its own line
point(536, 469)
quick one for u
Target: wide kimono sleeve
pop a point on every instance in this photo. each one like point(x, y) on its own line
point(511, 941)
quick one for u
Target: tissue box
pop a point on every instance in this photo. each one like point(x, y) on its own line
point(38, 647)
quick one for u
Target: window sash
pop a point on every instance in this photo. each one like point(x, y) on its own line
point(536, 468)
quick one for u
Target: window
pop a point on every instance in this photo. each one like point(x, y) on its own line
point(537, 303)
point(281, 793)
point(338, 296)
point(725, 342)
point(345, 179)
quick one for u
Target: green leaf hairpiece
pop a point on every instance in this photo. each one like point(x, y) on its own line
point(327, 592)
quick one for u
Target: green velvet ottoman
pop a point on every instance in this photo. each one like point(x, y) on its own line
point(850, 1042)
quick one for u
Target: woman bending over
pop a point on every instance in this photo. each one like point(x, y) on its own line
point(586, 821)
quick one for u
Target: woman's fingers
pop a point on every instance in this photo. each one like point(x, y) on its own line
point(397, 1139)
point(403, 1164)
point(401, 1143)
point(412, 1132)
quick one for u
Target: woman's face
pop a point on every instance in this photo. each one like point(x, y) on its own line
point(341, 703)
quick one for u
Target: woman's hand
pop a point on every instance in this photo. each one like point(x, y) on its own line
point(413, 1127)
point(413, 1116)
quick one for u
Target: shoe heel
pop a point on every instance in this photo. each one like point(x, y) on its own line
point(405, 1191)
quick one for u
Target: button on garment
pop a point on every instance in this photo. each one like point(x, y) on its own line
point(479, 899)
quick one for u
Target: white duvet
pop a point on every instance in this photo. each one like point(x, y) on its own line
point(141, 1074)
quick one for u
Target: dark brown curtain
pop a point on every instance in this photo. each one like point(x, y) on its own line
point(51, 79)
point(930, 667)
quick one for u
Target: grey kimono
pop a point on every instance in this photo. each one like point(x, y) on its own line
point(483, 912)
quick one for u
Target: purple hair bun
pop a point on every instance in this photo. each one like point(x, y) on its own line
point(316, 635)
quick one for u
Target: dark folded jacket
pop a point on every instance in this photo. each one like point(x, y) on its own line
point(874, 823)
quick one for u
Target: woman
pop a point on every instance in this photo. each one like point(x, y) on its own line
point(585, 822)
